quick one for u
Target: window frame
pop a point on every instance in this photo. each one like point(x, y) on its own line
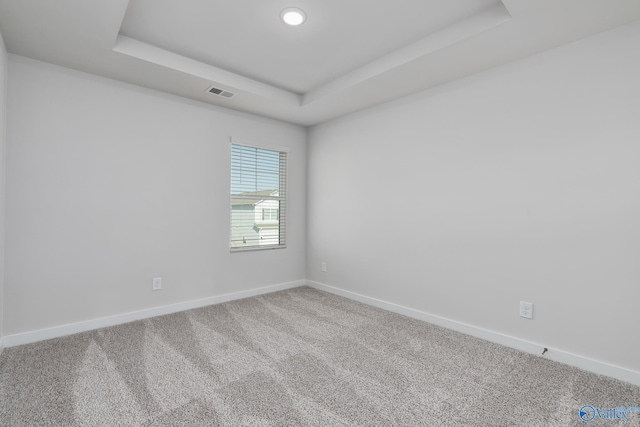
point(282, 211)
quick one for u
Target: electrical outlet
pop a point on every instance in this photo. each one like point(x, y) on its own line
point(323, 266)
point(157, 283)
point(526, 310)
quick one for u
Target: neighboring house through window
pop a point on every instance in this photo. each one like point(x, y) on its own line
point(258, 197)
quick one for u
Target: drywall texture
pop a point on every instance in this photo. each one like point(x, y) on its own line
point(518, 183)
point(3, 126)
point(110, 185)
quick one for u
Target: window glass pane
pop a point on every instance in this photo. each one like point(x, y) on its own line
point(254, 170)
point(258, 194)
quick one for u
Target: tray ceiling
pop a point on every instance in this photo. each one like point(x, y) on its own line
point(347, 56)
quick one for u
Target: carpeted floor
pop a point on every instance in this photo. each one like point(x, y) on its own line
point(297, 357)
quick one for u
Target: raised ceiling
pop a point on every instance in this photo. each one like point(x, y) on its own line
point(248, 37)
point(349, 55)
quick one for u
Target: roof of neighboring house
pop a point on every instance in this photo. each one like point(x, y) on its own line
point(251, 197)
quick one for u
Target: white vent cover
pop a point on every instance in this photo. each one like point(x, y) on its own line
point(220, 92)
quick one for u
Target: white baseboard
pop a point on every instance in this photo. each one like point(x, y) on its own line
point(554, 354)
point(89, 325)
point(557, 355)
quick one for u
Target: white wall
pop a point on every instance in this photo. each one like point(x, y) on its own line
point(518, 183)
point(3, 115)
point(110, 185)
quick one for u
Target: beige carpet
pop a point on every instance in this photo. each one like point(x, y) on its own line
point(297, 357)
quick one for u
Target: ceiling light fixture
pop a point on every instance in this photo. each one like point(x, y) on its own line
point(293, 16)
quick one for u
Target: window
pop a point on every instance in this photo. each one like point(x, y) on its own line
point(269, 214)
point(258, 197)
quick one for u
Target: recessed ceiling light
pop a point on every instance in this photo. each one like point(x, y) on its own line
point(293, 16)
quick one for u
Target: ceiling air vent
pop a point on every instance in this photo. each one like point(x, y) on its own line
point(220, 92)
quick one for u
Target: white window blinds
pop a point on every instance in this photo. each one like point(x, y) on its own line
point(258, 198)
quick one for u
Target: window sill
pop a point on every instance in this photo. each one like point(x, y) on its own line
point(257, 248)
